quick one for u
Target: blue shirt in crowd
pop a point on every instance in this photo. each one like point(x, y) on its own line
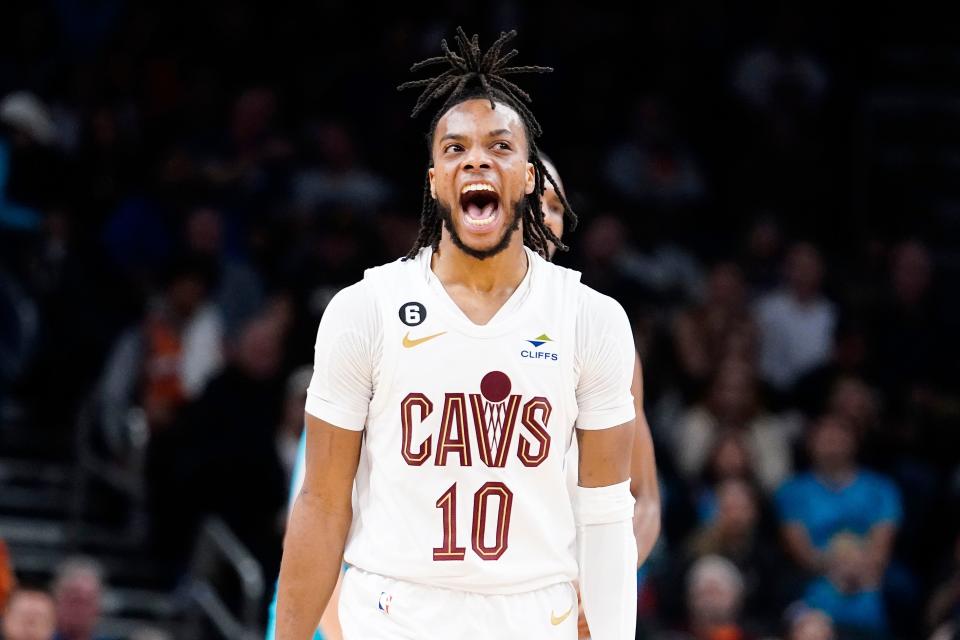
point(861, 611)
point(824, 511)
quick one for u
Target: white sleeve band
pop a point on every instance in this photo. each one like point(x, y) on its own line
point(607, 555)
point(603, 505)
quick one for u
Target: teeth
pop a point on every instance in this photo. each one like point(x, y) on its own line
point(477, 187)
point(481, 222)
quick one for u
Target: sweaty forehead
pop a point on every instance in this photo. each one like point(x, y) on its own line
point(475, 118)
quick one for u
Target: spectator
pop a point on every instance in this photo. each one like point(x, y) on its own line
point(736, 534)
point(855, 401)
point(768, 75)
point(908, 339)
point(720, 328)
point(849, 592)
point(30, 615)
point(947, 631)
point(25, 129)
point(714, 602)
point(796, 322)
point(729, 459)
point(604, 244)
point(835, 496)
point(733, 404)
point(945, 602)
point(239, 290)
point(168, 358)
point(256, 145)
point(337, 179)
point(653, 166)
point(851, 398)
point(78, 594)
point(220, 457)
point(762, 255)
point(805, 623)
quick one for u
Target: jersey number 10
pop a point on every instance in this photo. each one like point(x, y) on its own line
point(481, 499)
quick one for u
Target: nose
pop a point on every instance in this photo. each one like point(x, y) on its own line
point(476, 159)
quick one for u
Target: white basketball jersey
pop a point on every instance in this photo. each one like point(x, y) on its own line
point(462, 475)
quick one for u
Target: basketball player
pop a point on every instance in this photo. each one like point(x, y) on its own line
point(643, 485)
point(447, 387)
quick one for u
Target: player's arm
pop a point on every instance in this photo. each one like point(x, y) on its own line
point(317, 529)
point(603, 505)
point(644, 484)
point(330, 621)
point(337, 402)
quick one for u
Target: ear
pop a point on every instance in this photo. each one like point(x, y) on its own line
point(433, 188)
point(531, 180)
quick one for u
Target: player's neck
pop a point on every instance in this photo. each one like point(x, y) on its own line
point(503, 271)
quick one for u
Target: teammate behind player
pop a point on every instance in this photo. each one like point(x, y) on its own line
point(644, 484)
point(399, 362)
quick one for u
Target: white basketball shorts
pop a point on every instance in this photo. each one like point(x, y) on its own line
point(374, 607)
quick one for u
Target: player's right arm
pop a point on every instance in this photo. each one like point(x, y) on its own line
point(317, 529)
point(338, 398)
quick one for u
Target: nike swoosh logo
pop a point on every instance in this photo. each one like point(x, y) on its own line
point(409, 344)
point(555, 619)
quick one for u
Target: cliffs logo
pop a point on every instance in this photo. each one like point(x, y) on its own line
point(537, 353)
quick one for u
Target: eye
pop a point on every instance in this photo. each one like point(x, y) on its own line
point(455, 148)
point(502, 146)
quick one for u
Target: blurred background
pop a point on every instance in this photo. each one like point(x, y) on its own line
point(770, 192)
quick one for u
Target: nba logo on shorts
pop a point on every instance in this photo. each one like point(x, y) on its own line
point(385, 600)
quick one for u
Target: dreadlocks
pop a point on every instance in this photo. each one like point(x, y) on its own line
point(473, 73)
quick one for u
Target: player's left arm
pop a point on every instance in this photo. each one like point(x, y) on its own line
point(644, 484)
point(603, 504)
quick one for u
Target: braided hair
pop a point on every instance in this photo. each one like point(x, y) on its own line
point(472, 73)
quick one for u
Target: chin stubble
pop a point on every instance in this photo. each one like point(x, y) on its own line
point(446, 214)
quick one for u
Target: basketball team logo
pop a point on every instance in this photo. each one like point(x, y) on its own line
point(494, 388)
point(482, 424)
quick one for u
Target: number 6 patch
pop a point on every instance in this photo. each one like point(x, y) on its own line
point(412, 313)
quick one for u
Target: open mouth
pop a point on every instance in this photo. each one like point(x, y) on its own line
point(480, 204)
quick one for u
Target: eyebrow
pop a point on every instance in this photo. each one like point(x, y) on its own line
point(493, 134)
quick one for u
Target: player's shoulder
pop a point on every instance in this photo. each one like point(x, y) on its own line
point(353, 309)
point(547, 270)
point(364, 296)
point(352, 297)
point(390, 274)
point(376, 286)
point(597, 306)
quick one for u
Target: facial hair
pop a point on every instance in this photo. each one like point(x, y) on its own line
point(446, 214)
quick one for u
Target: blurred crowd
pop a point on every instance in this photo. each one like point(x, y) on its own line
point(182, 192)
